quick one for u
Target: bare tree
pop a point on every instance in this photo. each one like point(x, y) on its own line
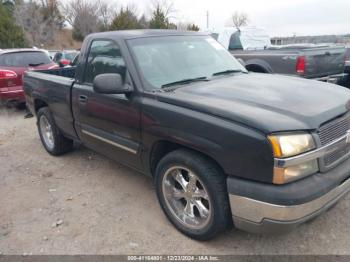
point(73, 8)
point(51, 11)
point(40, 28)
point(239, 19)
point(87, 16)
point(105, 11)
point(161, 13)
point(83, 15)
point(167, 7)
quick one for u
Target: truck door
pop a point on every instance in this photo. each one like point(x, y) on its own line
point(107, 123)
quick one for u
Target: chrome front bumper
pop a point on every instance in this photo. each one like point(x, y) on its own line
point(262, 217)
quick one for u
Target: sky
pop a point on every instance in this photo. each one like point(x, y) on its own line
point(278, 17)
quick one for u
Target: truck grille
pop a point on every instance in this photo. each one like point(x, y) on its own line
point(332, 131)
point(338, 154)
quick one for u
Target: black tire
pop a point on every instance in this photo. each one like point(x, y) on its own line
point(61, 144)
point(215, 183)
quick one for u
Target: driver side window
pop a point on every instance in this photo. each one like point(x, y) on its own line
point(104, 57)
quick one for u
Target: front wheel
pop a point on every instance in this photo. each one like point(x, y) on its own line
point(51, 137)
point(192, 193)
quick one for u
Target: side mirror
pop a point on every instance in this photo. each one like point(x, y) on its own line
point(110, 84)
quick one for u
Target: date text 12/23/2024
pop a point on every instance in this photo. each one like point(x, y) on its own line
point(173, 258)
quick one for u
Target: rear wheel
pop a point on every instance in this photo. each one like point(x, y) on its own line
point(51, 137)
point(192, 193)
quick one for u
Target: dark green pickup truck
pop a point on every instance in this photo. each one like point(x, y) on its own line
point(225, 147)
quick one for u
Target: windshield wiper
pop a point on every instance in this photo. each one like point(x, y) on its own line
point(227, 72)
point(186, 81)
point(38, 64)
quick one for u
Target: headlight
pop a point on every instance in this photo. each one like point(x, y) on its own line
point(288, 145)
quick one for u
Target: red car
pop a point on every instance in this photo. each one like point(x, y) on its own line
point(13, 63)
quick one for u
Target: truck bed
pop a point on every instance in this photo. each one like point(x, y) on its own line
point(320, 61)
point(54, 87)
point(65, 72)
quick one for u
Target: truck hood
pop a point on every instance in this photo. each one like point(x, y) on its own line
point(269, 103)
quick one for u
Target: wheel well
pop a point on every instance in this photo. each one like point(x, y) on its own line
point(162, 148)
point(256, 69)
point(39, 104)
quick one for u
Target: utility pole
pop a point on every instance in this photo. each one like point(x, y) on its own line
point(207, 20)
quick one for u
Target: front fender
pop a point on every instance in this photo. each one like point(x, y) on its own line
point(239, 150)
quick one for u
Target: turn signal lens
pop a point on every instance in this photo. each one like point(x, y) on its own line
point(289, 174)
point(275, 146)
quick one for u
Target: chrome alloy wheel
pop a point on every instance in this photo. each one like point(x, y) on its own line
point(186, 197)
point(46, 132)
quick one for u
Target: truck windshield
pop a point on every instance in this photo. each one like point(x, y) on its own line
point(166, 60)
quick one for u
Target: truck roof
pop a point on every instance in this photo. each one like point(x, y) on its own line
point(129, 34)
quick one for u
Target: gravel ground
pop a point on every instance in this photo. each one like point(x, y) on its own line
point(83, 203)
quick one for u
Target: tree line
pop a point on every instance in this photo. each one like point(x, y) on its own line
point(36, 22)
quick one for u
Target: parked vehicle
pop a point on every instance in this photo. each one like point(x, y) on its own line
point(346, 81)
point(253, 46)
point(13, 63)
point(347, 60)
point(65, 57)
point(52, 53)
point(45, 51)
point(225, 147)
point(75, 60)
